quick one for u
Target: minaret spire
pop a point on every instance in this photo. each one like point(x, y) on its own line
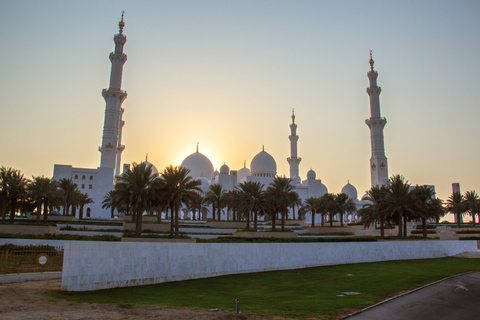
point(293, 160)
point(378, 160)
point(114, 96)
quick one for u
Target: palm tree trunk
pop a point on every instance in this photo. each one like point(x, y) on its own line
point(323, 219)
point(112, 212)
point(39, 209)
point(138, 224)
point(382, 228)
point(473, 219)
point(248, 220)
point(219, 211)
point(400, 224)
point(424, 227)
point(45, 209)
point(80, 212)
point(283, 221)
point(213, 211)
point(12, 210)
point(405, 227)
point(172, 220)
point(255, 220)
point(176, 217)
point(293, 208)
point(459, 215)
point(313, 218)
point(331, 219)
point(341, 219)
point(273, 221)
point(3, 209)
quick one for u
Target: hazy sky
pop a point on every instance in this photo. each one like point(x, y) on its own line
point(227, 74)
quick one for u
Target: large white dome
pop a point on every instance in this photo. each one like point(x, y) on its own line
point(154, 169)
point(350, 190)
point(199, 165)
point(263, 165)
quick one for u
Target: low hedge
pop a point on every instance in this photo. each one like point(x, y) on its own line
point(283, 240)
point(59, 237)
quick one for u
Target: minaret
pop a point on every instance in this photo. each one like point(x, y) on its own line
point(378, 161)
point(293, 161)
point(114, 96)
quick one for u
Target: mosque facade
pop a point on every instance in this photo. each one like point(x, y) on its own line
point(263, 167)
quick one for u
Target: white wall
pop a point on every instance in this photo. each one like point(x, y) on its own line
point(91, 265)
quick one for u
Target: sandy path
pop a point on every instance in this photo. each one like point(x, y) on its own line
point(27, 301)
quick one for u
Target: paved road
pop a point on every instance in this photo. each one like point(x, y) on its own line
point(451, 299)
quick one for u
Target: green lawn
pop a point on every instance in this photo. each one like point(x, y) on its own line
point(293, 293)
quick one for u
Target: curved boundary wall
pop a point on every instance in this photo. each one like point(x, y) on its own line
point(91, 265)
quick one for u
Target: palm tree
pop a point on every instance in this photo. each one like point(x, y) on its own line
point(108, 202)
point(67, 188)
point(330, 206)
point(232, 203)
point(272, 204)
point(179, 188)
point(400, 201)
point(282, 189)
point(137, 188)
point(84, 199)
point(374, 210)
point(215, 196)
point(425, 206)
point(472, 204)
point(38, 188)
point(16, 190)
point(52, 198)
point(455, 204)
point(310, 205)
point(5, 177)
point(252, 200)
point(344, 204)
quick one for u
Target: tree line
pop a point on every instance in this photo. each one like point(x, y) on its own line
point(18, 193)
point(399, 202)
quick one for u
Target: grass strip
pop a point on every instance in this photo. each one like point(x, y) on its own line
point(299, 293)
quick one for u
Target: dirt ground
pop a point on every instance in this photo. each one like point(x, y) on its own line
point(27, 301)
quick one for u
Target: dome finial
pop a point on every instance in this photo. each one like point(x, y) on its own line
point(244, 163)
point(146, 157)
point(293, 116)
point(371, 61)
point(197, 147)
point(263, 148)
point(121, 24)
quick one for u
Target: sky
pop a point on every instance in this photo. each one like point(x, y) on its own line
point(227, 74)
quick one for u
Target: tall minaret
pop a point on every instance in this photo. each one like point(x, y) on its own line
point(378, 161)
point(294, 161)
point(114, 96)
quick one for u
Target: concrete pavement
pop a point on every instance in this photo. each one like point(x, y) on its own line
point(457, 297)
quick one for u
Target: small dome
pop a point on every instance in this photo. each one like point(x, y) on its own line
point(205, 184)
point(224, 169)
point(199, 165)
point(263, 165)
point(350, 190)
point(296, 180)
point(215, 173)
point(364, 196)
point(242, 173)
point(311, 175)
point(154, 169)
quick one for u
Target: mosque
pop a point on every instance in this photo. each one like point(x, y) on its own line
point(263, 167)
